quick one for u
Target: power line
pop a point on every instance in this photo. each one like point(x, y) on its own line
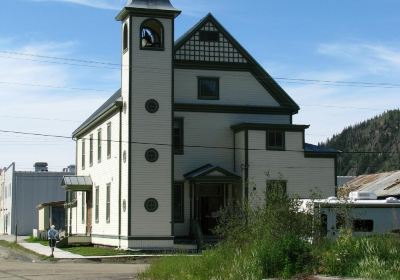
point(102, 64)
point(51, 86)
point(171, 145)
point(37, 118)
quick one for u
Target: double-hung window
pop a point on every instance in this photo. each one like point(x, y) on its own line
point(275, 140)
point(83, 154)
point(108, 198)
point(96, 205)
point(99, 145)
point(91, 149)
point(109, 140)
point(208, 88)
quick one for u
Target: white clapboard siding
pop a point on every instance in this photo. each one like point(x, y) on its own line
point(151, 79)
point(235, 88)
point(303, 175)
point(125, 128)
point(102, 173)
point(213, 130)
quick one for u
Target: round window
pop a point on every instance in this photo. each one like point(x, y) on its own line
point(151, 204)
point(152, 106)
point(151, 155)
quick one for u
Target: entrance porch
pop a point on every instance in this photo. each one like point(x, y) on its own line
point(211, 189)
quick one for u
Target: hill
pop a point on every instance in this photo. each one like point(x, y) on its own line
point(369, 147)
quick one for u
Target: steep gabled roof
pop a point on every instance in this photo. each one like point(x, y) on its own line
point(257, 70)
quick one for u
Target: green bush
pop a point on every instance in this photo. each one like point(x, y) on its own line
point(258, 242)
point(374, 257)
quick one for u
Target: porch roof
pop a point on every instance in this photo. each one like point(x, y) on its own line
point(77, 183)
point(211, 173)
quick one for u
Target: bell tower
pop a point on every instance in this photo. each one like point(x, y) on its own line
point(147, 119)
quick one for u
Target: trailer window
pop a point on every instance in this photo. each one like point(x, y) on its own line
point(363, 225)
point(324, 224)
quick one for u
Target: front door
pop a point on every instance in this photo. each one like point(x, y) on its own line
point(89, 205)
point(211, 201)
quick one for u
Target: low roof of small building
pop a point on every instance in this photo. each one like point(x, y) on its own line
point(384, 184)
point(77, 183)
point(51, 203)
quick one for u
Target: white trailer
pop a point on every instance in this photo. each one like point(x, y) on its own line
point(362, 213)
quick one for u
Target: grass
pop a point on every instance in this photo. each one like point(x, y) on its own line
point(16, 247)
point(96, 251)
point(32, 239)
point(271, 242)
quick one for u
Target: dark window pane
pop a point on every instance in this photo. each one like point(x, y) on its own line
point(209, 36)
point(178, 203)
point(324, 224)
point(275, 139)
point(178, 136)
point(363, 225)
point(208, 88)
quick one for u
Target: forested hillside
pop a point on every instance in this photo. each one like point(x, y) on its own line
point(369, 147)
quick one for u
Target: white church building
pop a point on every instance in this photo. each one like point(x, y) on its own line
point(198, 125)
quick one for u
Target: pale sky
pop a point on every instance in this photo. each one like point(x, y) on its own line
point(333, 40)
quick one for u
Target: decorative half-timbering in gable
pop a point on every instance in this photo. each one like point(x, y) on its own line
point(208, 43)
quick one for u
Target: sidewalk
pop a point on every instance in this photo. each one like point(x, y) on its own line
point(61, 254)
point(45, 251)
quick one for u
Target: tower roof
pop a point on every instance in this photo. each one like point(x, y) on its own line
point(148, 6)
point(151, 4)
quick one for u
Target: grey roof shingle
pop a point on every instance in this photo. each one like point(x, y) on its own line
point(151, 4)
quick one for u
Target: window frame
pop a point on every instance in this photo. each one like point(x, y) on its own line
point(181, 218)
point(162, 44)
point(199, 93)
point(109, 132)
point(99, 145)
point(96, 204)
point(83, 158)
point(181, 149)
point(272, 147)
point(91, 150)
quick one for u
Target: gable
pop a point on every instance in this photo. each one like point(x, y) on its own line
point(208, 43)
point(209, 46)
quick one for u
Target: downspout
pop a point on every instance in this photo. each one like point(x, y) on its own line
point(119, 177)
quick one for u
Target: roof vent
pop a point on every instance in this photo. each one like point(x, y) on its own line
point(41, 167)
point(392, 200)
point(362, 195)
